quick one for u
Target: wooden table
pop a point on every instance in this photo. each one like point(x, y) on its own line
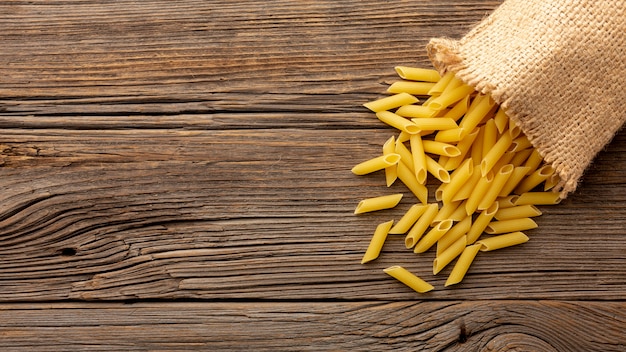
point(176, 176)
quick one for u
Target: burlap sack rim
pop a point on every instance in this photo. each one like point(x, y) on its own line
point(444, 55)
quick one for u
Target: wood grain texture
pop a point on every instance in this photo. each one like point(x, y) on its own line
point(200, 150)
point(320, 326)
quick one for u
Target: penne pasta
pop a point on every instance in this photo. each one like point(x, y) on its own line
point(534, 179)
point(440, 148)
point(490, 137)
point(416, 111)
point(417, 74)
point(516, 177)
point(409, 279)
point(496, 186)
point(511, 225)
point(521, 157)
point(502, 241)
point(421, 225)
point(495, 153)
point(432, 236)
point(434, 123)
point(408, 219)
point(378, 203)
point(435, 169)
point(507, 202)
point(438, 88)
point(447, 256)
point(376, 164)
point(457, 231)
point(419, 158)
point(517, 212)
point(457, 179)
point(391, 172)
point(391, 102)
point(466, 190)
point(408, 179)
point(520, 143)
point(413, 88)
point(478, 193)
point(450, 97)
point(514, 129)
point(551, 182)
point(533, 161)
point(475, 115)
point(480, 224)
point(398, 122)
point(501, 120)
point(405, 155)
point(450, 136)
point(538, 198)
point(444, 213)
point(377, 241)
point(462, 265)
point(458, 110)
point(464, 147)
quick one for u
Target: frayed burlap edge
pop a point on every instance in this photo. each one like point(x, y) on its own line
point(445, 57)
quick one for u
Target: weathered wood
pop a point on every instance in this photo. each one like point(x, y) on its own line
point(322, 326)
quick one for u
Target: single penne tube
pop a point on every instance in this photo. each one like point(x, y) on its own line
point(420, 226)
point(440, 85)
point(413, 88)
point(507, 201)
point(501, 120)
point(398, 122)
point(517, 212)
point(459, 214)
point(459, 109)
point(476, 114)
point(495, 153)
point(451, 135)
point(419, 158)
point(391, 172)
point(538, 198)
point(464, 146)
point(462, 265)
point(533, 161)
point(511, 225)
point(440, 148)
point(457, 231)
point(432, 236)
point(520, 143)
point(405, 155)
point(520, 157)
point(516, 177)
point(403, 137)
point(377, 242)
point(534, 179)
point(466, 190)
point(417, 74)
point(408, 278)
point(445, 211)
point(408, 219)
point(490, 137)
point(457, 179)
point(514, 129)
point(391, 102)
point(454, 83)
point(447, 256)
point(434, 123)
point(378, 203)
point(476, 153)
point(505, 159)
point(416, 111)
point(502, 241)
point(481, 222)
point(375, 164)
point(435, 169)
point(450, 97)
point(478, 193)
point(499, 181)
point(551, 182)
point(408, 179)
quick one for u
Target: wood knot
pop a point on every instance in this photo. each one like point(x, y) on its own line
point(518, 342)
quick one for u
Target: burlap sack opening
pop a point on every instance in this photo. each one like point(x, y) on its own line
point(558, 68)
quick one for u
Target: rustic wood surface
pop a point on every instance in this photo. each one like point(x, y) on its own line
point(175, 176)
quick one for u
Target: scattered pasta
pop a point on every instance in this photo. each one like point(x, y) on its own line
point(487, 174)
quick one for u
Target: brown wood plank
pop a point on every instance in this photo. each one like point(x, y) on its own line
point(325, 326)
point(260, 214)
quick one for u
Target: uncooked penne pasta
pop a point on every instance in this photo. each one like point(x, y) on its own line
point(440, 148)
point(408, 278)
point(511, 225)
point(450, 136)
point(408, 219)
point(391, 102)
point(405, 155)
point(378, 203)
point(533, 161)
point(444, 213)
point(502, 241)
point(432, 236)
point(391, 172)
point(435, 169)
point(434, 123)
point(438, 88)
point(514, 129)
point(534, 179)
point(377, 241)
point(421, 225)
point(495, 153)
point(517, 212)
point(475, 115)
point(417, 74)
point(501, 120)
point(478, 193)
point(413, 88)
point(398, 122)
point(480, 224)
point(457, 179)
point(376, 164)
point(520, 143)
point(496, 186)
point(466, 190)
point(516, 177)
point(538, 198)
point(419, 158)
point(416, 111)
point(408, 179)
point(464, 147)
point(457, 231)
point(459, 109)
point(508, 201)
point(462, 264)
point(490, 136)
point(444, 258)
point(448, 98)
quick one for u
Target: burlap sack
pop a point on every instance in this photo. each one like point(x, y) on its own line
point(558, 67)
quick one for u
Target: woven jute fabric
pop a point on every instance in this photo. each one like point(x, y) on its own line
point(557, 67)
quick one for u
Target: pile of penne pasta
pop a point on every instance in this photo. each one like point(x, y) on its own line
point(490, 177)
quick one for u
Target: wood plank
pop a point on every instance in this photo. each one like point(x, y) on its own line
point(86, 57)
point(260, 214)
point(308, 326)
